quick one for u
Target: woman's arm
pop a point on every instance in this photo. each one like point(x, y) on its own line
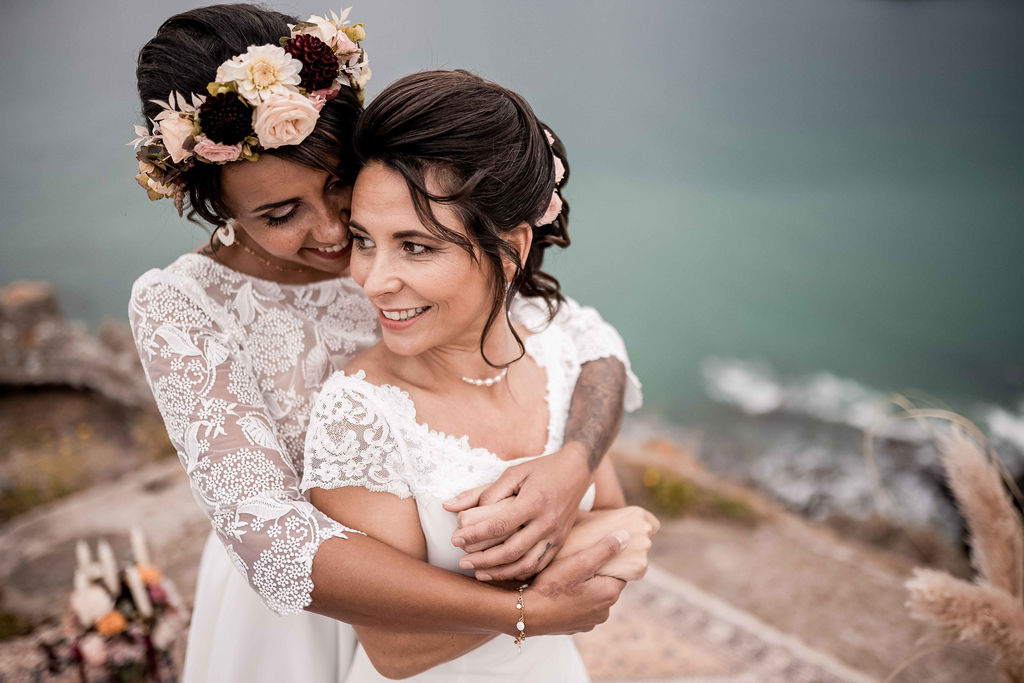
point(609, 493)
point(395, 521)
point(293, 555)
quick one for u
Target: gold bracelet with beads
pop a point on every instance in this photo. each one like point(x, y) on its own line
point(521, 623)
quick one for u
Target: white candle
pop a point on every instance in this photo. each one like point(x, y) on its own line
point(139, 593)
point(83, 556)
point(81, 581)
point(139, 551)
point(108, 567)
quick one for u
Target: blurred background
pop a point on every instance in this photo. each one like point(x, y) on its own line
point(791, 210)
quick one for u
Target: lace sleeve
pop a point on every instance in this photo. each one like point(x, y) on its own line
point(351, 442)
point(227, 441)
point(592, 337)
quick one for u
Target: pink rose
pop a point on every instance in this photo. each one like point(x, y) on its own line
point(284, 119)
point(216, 152)
point(554, 208)
point(344, 47)
point(319, 98)
point(174, 130)
point(94, 651)
point(559, 169)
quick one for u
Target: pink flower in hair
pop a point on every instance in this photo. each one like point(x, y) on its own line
point(554, 208)
point(216, 151)
point(559, 169)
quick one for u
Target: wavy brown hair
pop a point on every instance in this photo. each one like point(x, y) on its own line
point(486, 154)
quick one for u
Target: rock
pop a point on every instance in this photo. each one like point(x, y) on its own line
point(38, 346)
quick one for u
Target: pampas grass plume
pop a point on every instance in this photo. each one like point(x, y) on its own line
point(997, 538)
point(979, 613)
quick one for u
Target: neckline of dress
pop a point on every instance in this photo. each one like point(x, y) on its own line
point(206, 259)
point(463, 441)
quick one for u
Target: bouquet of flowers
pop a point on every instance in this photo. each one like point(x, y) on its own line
point(123, 622)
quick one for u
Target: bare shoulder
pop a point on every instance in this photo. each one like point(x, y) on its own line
point(372, 362)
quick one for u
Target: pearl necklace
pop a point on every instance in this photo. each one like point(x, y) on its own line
point(487, 381)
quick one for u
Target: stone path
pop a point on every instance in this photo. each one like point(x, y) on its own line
point(666, 628)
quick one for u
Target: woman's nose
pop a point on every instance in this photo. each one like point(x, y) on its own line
point(378, 275)
point(332, 228)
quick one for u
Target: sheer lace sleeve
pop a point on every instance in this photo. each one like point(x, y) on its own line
point(351, 442)
point(592, 337)
point(227, 440)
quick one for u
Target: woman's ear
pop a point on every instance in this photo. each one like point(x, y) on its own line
point(520, 238)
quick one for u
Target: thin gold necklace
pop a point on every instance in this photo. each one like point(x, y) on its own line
point(296, 269)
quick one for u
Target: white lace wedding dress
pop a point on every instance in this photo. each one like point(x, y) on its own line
point(368, 435)
point(235, 363)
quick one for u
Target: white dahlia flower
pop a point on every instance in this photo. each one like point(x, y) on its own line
point(262, 71)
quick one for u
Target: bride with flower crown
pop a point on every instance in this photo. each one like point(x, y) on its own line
point(252, 136)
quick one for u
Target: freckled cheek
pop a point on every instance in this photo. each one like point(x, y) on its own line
point(280, 241)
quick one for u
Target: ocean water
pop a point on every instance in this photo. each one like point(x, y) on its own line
point(779, 205)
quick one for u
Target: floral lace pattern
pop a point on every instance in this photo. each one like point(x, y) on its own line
point(235, 364)
point(367, 435)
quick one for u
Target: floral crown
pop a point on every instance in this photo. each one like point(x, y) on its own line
point(269, 97)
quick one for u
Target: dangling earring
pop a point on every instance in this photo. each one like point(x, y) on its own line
point(226, 233)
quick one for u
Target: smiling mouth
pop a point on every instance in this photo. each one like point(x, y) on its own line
point(406, 314)
point(333, 252)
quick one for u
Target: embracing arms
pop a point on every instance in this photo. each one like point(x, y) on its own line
point(230, 442)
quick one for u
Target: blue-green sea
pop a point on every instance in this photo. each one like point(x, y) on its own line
point(791, 206)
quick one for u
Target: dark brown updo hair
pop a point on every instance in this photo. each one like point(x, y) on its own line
point(487, 156)
point(184, 56)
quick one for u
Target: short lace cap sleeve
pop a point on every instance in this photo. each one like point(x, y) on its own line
point(592, 338)
point(354, 440)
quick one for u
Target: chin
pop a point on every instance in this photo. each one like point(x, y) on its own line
point(339, 268)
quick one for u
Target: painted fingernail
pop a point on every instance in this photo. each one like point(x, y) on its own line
point(483, 576)
point(622, 537)
point(465, 564)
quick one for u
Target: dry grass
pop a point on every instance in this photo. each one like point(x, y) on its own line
point(988, 612)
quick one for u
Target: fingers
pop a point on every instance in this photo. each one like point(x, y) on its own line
point(512, 550)
point(484, 545)
point(582, 566)
point(500, 521)
point(532, 561)
point(465, 500)
point(506, 485)
point(482, 513)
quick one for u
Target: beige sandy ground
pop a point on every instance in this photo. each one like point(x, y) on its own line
point(772, 599)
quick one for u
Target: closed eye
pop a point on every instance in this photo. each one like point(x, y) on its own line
point(281, 215)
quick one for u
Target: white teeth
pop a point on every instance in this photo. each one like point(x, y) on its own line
point(331, 250)
point(404, 315)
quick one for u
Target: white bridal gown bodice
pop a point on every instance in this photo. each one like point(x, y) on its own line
point(235, 363)
point(368, 435)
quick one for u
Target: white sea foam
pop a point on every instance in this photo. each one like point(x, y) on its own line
point(1006, 426)
point(756, 389)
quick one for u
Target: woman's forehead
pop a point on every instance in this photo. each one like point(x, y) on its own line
point(269, 178)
